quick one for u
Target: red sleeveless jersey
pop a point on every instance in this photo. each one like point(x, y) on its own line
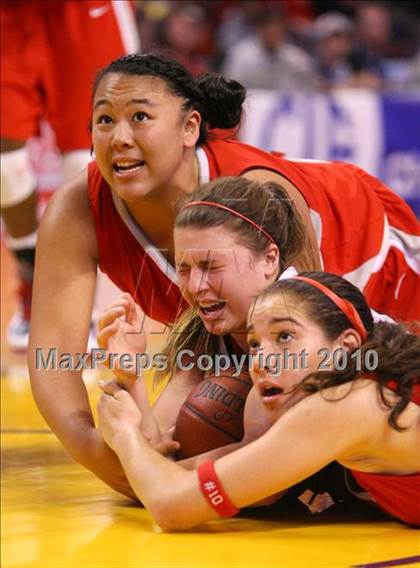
point(365, 232)
point(398, 495)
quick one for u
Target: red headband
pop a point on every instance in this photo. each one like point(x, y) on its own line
point(220, 206)
point(344, 305)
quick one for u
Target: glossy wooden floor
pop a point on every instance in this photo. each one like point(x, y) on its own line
point(56, 514)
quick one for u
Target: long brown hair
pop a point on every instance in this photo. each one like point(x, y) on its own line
point(397, 351)
point(266, 204)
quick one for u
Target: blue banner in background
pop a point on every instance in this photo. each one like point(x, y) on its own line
point(400, 167)
point(380, 133)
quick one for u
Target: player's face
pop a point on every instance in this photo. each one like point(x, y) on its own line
point(219, 277)
point(140, 134)
point(286, 345)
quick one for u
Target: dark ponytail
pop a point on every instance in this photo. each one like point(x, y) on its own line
point(221, 100)
point(397, 351)
point(217, 99)
point(398, 359)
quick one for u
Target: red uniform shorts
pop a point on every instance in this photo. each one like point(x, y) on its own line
point(51, 52)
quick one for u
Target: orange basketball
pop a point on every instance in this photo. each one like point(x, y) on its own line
point(212, 415)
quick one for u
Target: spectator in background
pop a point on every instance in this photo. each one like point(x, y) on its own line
point(333, 33)
point(150, 15)
point(414, 75)
point(374, 27)
point(237, 24)
point(184, 35)
point(339, 64)
point(267, 60)
point(388, 41)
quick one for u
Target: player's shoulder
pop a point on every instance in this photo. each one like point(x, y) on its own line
point(354, 404)
point(72, 197)
point(68, 214)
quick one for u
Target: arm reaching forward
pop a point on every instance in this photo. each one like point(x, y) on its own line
point(64, 285)
point(298, 445)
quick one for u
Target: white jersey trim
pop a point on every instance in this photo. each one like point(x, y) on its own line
point(409, 245)
point(126, 22)
point(308, 160)
point(316, 221)
point(360, 275)
point(149, 248)
point(203, 166)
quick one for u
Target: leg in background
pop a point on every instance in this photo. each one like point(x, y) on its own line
point(19, 214)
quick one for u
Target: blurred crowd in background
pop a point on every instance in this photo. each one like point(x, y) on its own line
point(290, 45)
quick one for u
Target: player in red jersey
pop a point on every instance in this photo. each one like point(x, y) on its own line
point(243, 237)
point(362, 230)
point(149, 117)
point(50, 54)
point(352, 395)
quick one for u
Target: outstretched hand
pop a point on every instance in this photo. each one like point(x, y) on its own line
point(117, 411)
point(121, 331)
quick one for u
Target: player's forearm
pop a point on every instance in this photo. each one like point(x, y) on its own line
point(63, 402)
point(104, 463)
point(86, 446)
point(194, 462)
point(161, 485)
point(149, 425)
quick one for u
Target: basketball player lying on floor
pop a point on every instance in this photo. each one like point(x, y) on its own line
point(369, 421)
point(249, 236)
point(155, 137)
point(236, 259)
point(206, 274)
point(227, 240)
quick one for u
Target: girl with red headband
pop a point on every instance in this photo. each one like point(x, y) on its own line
point(355, 399)
point(153, 135)
point(232, 238)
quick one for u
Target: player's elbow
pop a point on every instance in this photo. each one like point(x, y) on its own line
point(171, 515)
point(172, 521)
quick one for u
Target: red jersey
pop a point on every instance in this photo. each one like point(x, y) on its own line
point(50, 53)
point(365, 232)
point(398, 495)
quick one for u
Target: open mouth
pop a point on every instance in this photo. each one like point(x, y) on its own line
point(122, 167)
point(213, 308)
point(270, 393)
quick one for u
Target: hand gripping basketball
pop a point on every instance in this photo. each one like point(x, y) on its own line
point(212, 415)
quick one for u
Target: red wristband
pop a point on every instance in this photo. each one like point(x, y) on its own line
point(213, 491)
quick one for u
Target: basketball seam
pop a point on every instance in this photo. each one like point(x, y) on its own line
point(205, 419)
point(247, 383)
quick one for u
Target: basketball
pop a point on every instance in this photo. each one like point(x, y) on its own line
point(212, 415)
